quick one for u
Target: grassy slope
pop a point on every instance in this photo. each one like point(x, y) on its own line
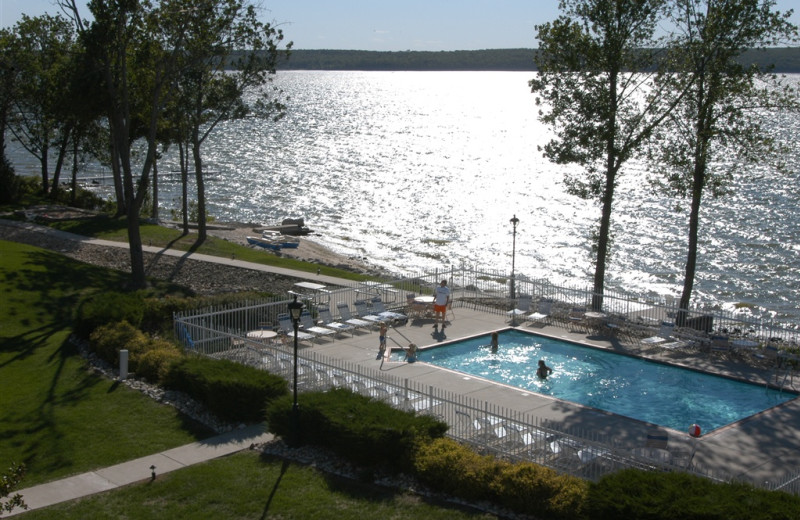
point(60, 419)
point(56, 416)
point(247, 486)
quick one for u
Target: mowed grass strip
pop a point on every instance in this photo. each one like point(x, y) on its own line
point(56, 415)
point(249, 486)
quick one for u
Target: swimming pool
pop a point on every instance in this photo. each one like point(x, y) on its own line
point(649, 391)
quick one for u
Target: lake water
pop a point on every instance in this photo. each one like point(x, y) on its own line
point(423, 170)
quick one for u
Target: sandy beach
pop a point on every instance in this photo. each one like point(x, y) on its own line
point(309, 250)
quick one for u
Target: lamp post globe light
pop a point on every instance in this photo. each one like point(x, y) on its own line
point(514, 221)
point(295, 308)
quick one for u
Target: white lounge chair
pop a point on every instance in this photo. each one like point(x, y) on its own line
point(327, 321)
point(379, 309)
point(344, 312)
point(522, 307)
point(664, 334)
point(287, 327)
point(307, 324)
point(365, 314)
point(542, 312)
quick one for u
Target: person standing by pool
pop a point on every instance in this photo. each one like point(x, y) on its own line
point(382, 341)
point(543, 371)
point(441, 299)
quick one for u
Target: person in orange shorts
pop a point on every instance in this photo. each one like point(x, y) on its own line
point(441, 299)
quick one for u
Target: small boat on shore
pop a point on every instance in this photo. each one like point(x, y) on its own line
point(266, 243)
point(288, 242)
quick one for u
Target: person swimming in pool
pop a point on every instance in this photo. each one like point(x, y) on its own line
point(411, 353)
point(543, 371)
point(494, 343)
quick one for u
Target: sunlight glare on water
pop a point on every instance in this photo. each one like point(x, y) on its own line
point(424, 170)
point(636, 388)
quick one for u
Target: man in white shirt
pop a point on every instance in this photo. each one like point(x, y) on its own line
point(441, 299)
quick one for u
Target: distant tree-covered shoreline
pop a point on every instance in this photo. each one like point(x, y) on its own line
point(785, 60)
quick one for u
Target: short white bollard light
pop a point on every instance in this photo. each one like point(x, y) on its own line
point(123, 364)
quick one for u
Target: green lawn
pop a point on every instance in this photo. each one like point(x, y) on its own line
point(247, 486)
point(55, 415)
point(61, 419)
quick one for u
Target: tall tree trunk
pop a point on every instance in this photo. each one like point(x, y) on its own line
point(184, 151)
point(201, 190)
point(598, 288)
point(155, 192)
point(45, 176)
point(62, 154)
point(74, 179)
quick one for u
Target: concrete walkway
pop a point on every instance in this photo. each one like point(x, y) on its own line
point(139, 470)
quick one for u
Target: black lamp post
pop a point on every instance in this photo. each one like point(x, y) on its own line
point(295, 308)
point(514, 221)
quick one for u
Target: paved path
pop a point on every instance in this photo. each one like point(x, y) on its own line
point(139, 470)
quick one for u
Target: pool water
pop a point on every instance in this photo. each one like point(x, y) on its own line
point(649, 391)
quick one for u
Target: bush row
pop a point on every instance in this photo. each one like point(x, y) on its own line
point(369, 433)
point(634, 493)
point(231, 391)
point(151, 314)
point(373, 434)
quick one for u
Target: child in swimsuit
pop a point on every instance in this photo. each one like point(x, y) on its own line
point(382, 340)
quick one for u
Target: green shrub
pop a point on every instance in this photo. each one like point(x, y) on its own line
point(368, 432)
point(107, 340)
point(458, 470)
point(154, 364)
point(231, 391)
point(105, 308)
point(638, 494)
point(455, 469)
point(539, 491)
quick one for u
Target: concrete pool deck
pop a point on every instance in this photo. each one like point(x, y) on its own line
point(764, 447)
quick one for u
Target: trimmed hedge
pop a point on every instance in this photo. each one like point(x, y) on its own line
point(232, 391)
point(365, 431)
point(664, 496)
point(458, 470)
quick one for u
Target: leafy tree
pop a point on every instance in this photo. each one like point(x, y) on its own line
point(228, 55)
point(716, 125)
point(43, 50)
point(8, 81)
point(594, 94)
point(132, 58)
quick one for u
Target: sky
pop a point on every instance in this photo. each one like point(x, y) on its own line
point(382, 25)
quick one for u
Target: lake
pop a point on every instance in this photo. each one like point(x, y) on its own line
point(423, 170)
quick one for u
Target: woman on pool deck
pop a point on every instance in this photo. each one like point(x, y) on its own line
point(382, 340)
point(411, 353)
point(543, 371)
point(494, 343)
